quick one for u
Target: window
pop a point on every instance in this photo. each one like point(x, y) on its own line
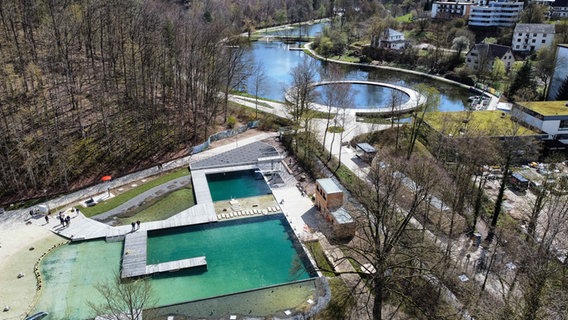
point(563, 125)
point(517, 46)
point(543, 40)
point(533, 40)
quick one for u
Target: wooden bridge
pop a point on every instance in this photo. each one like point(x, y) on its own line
point(134, 259)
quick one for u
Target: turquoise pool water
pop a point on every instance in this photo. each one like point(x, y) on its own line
point(243, 254)
point(236, 184)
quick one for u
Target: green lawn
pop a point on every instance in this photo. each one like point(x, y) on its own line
point(318, 254)
point(163, 208)
point(127, 195)
point(335, 129)
point(405, 18)
point(487, 123)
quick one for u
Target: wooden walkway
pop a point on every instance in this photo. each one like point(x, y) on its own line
point(135, 258)
point(176, 265)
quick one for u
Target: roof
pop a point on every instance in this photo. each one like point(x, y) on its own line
point(535, 28)
point(247, 154)
point(484, 123)
point(493, 50)
point(367, 148)
point(342, 216)
point(547, 108)
point(391, 33)
point(328, 186)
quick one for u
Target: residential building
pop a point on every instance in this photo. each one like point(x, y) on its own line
point(560, 71)
point(559, 9)
point(532, 36)
point(495, 13)
point(480, 58)
point(329, 201)
point(392, 39)
point(451, 9)
point(549, 117)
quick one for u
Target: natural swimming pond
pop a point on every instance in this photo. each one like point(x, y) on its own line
point(236, 184)
point(242, 255)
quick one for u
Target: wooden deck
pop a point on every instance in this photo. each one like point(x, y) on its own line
point(176, 265)
point(134, 258)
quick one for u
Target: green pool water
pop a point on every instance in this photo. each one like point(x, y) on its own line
point(236, 184)
point(241, 255)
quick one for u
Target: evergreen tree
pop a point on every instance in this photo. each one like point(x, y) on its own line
point(562, 93)
point(523, 79)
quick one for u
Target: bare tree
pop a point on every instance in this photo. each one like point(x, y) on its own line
point(380, 241)
point(123, 299)
point(258, 80)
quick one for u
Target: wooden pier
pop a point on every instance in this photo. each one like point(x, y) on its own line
point(134, 259)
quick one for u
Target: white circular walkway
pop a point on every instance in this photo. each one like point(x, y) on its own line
point(415, 99)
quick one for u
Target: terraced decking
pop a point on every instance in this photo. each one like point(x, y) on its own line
point(82, 228)
point(134, 258)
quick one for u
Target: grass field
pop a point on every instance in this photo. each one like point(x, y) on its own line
point(163, 208)
point(129, 194)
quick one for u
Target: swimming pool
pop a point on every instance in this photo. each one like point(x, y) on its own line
point(236, 184)
point(242, 254)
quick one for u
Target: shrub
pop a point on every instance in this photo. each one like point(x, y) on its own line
point(231, 122)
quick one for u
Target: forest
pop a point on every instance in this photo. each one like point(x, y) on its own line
point(96, 87)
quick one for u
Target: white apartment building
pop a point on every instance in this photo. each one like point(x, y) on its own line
point(559, 9)
point(451, 10)
point(497, 13)
point(532, 36)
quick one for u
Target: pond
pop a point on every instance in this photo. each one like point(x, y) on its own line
point(278, 61)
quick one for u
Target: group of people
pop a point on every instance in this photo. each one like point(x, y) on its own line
point(135, 225)
point(63, 219)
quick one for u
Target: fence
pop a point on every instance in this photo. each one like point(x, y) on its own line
point(222, 135)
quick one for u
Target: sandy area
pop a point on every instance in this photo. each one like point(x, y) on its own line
point(16, 257)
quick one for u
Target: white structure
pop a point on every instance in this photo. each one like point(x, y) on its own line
point(450, 10)
point(532, 36)
point(392, 39)
point(560, 71)
point(497, 13)
point(559, 9)
point(481, 57)
point(550, 117)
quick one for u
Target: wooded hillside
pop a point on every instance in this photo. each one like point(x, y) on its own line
point(93, 87)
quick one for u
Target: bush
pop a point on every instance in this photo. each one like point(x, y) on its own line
point(231, 122)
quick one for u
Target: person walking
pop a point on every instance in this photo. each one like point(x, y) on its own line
point(46, 219)
point(133, 224)
point(138, 224)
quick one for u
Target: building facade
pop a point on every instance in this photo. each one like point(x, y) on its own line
point(498, 13)
point(549, 117)
point(451, 10)
point(392, 39)
point(560, 71)
point(480, 58)
point(329, 201)
point(559, 9)
point(532, 36)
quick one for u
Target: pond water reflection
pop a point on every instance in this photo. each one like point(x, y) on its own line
point(278, 61)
